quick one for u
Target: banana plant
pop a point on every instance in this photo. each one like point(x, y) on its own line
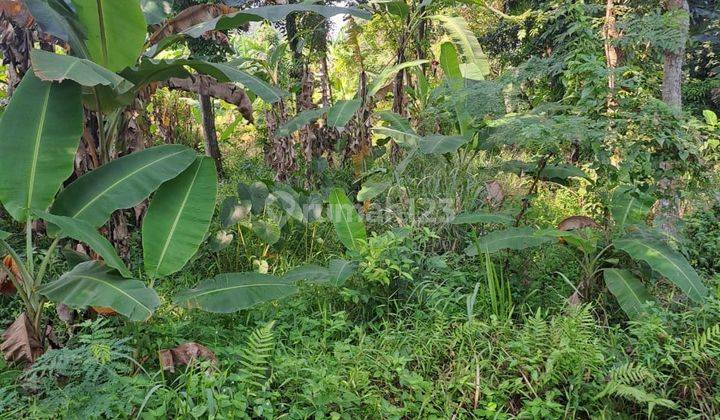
point(39, 134)
point(607, 253)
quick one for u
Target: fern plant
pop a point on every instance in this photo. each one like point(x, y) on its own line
point(628, 381)
point(257, 358)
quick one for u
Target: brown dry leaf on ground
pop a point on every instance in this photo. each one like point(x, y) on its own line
point(183, 355)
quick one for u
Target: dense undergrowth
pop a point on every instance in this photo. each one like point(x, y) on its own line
point(540, 233)
point(434, 345)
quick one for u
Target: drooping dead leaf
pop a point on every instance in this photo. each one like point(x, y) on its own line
point(206, 85)
point(495, 195)
point(20, 341)
point(577, 222)
point(183, 355)
point(189, 17)
point(6, 285)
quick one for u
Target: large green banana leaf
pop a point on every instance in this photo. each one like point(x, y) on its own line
point(230, 292)
point(299, 121)
point(477, 64)
point(629, 207)
point(57, 68)
point(511, 238)
point(93, 284)
point(664, 260)
point(336, 273)
point(341, 112)
point(438, 144)
point(122, 183)
point(56, 18)
point(84, 232)
point(373, 187)
point(346, 220)
point(178, 218)
point(149, 70)
point(628, 290)
point(387, 73)
point(115, 31)
point(396, 121)
point(39, 135)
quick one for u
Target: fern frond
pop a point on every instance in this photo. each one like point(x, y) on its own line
point(707, 343)
point(257, 354)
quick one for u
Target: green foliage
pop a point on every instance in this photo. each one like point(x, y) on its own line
point(702, 244)
point(88, 378)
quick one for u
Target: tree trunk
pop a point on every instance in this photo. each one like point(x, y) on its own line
point(610, 34)
point(212, 148)
point(672, 68)
point(399, 94)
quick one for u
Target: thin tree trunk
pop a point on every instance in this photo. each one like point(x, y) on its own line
point(610, 34)
point(674, 59)
point(212, 148)
point(399, 93)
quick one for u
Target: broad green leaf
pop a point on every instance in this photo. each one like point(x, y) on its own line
point(664, 260)
point(72, 257)
point(558, 173)
point(313, 273)
point(4, 235)
point(83, 232)
point(450, 64)
point(389, 72)
point(372, 188)
point(299, 121)
point(221, 240)
point(629, 207)
point(56, 18)
point(340, 270)
point(115, 31)
point(227, 73)
point(396, 121)
point(336, 273)
point(234, 210)
point(346, 220)
point(466, 42)
point(402, 138)
point(231, 292)
point(342, 111)
point(469, 218)
point(122, 183)
point(178, 218)
point(149, 70)
point(289, 204)
point(515, 238)
point(628, 290)
point(57, 68)
point(39, 135)
point(93, 284)
point(259, 194)
point(438, 144)
point(711, 118)
point(394, 7)
point(267, 230)
point(312, 206)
